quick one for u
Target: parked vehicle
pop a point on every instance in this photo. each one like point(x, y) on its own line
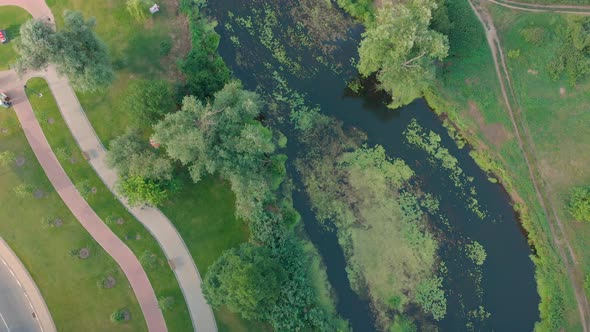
point(3, 36)
point(5, 100)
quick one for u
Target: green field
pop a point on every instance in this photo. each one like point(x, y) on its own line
point(11, 18)
point(68, 283)
point(105, 204)
point(473, 100)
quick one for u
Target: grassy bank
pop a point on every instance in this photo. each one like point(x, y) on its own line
point(68, 283)
point(11, 18)
point(151, 50)
point(469, 92)
point(106, 205)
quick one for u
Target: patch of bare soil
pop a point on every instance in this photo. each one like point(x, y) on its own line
point(494, 132)
point(109, 282)
point(126, 315)
point(532, 72)
point(57, 223)
point(120, 221)
point(562, 91)
point(51, 120)
point(472, 81)
point(38, 193)
point(20, 161)
point(4, 131)
point(84, 253)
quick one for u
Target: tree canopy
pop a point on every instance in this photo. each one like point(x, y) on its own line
point(401, 48)
point(246, 279)
point(224, 137)
point(75, 50)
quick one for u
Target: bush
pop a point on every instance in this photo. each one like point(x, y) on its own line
point(166, 303)
point(476, 253)
point(533, 35)
point(149, 260)
point(118, 316)
point(148, 100)
point(7, 157)
point(23, 190)
point(579, 203)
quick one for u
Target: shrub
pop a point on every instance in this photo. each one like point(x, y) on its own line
point(23, 190)
point(166, 303)
point(431, 297)
point(579, 203)
point(149, 260)
point(7, 157)
point(533, 35)
point(118, 316)
point(138, 9)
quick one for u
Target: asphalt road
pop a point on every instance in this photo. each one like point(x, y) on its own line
point(16, 314)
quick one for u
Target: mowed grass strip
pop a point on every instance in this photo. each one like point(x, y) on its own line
point(203, 214)
point(47, 237)
point(11, 18)
point(106, 205)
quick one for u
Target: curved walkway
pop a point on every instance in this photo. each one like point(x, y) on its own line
point(153, 219)
point(26, 307)
point(524, 140)
point(79, 207)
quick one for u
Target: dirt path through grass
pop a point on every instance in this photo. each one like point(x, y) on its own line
point(525, 143)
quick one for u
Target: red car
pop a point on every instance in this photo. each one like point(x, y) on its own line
point(3, 37)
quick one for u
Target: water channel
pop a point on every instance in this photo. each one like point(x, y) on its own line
point(507, 288)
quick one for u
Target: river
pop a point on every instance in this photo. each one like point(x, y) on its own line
point(507, 288)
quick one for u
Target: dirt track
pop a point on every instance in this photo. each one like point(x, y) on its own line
point(525, 141)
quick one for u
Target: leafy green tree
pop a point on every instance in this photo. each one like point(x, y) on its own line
point(579, 203)
point(431, 297)
point(140, 191)
point(76, 51)
point(131, 155)
point(148, 100)
point(225, 137)
point(247, 279)
point(401, 48)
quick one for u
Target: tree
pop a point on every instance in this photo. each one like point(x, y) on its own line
point(140, 191)
point(579, 203)
point(476, 252)
point(224, 137)
point(148, 100)
point(247, 279)
point(401, 48)
point(76, 51)
point(130, 155)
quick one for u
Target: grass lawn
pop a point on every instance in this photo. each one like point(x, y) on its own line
point(106, 205)
point(11, 18)
point(68, 284)
point(554, 112)
point(470, 88)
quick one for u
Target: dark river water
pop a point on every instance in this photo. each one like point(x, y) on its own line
point(506, 289)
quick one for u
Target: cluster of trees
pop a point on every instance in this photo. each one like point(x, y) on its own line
point(579, 203)
point(401, 48)
point(75, 50)
point(573, 57)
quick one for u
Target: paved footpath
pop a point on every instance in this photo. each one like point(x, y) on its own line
point(153, 219)
point(129, 264)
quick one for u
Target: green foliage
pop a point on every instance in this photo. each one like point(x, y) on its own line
point(23, 190)
point(573, 57)
point(246, 279)
point(149, 260)
point(431, 297)
point(476, 252)
point(203, 68)
point(579, 203)
point(84, 188)
point(225, 137)
point(118, 316)
point(166, 303)
point(140, 191)
point(148, 100)
point(534, 35)
point(402, 324)
point(360, 9)
point(401, 48)
point(7, 157)
point(138, 9)
point(587, 284)
point(513, 54)
point(75, 50)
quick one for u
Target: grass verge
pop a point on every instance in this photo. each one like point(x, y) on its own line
point(68, 283)
point(11, 18)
